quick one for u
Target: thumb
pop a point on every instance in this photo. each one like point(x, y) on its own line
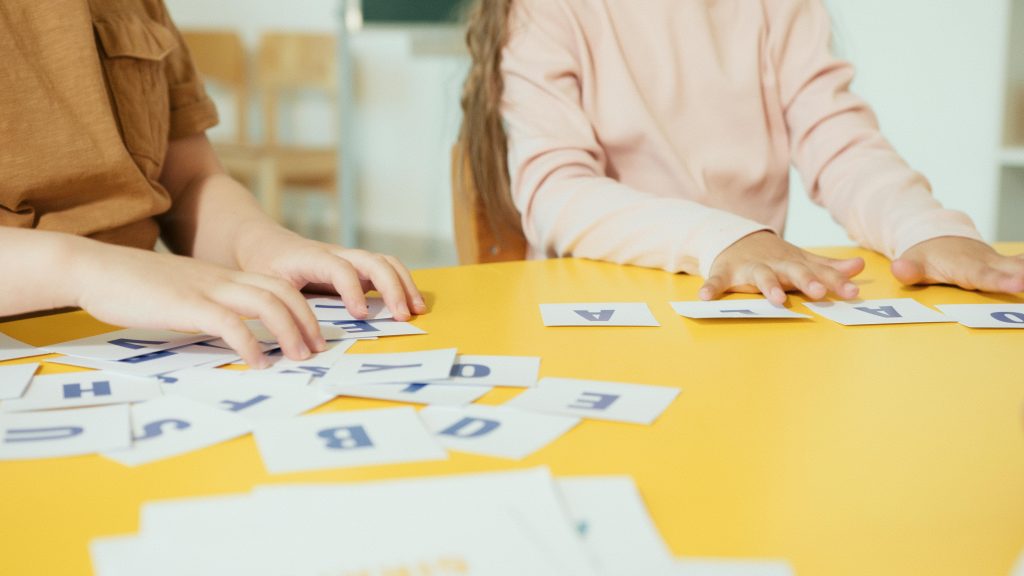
point(908, 271)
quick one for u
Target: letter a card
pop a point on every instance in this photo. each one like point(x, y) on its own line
point(127, 343)
point(867, 312)
point(346, 439)
point(391, 368)
point(64, 432)
point(494, 430)
point(598, 314)
point(616, 401)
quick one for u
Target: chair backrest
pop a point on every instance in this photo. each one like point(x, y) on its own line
point(292, 62)
point(221, 58)
point(477, 239)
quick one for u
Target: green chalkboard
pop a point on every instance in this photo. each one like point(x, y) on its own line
point(412, 10)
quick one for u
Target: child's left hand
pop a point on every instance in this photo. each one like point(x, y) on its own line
point(323, 267)
point(962, 262)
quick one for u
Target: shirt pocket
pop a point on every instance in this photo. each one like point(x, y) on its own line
point(133, 51)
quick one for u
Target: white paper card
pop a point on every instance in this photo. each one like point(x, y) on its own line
point(156, 363)
point(391, 368)
point(620, 402)
point(736, 309)
point(494, 430)
point(365, 330)
point(867, 312)
point(14, 380)
point(332, 309)
point(345, 439)
point(413, 392)
point(1019, 567)
point(172, 425)
point(126, 343)
point(64, 432)
point(513, 371)
point(316, 366)
point(616, 528)
point(255, 402)
point(263, 334)
point(598, 314)
point(723, 567)
point(12, 349)
point(986, 315)
point(78, 389)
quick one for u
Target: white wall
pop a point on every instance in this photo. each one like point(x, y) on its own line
point(932, 69)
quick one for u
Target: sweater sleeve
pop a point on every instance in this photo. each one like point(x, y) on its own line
point(846, 164)
point(558, 169)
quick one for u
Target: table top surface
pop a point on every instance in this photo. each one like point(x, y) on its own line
point(845, 450)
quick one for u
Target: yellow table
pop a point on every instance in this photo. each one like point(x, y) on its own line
point(846, 450)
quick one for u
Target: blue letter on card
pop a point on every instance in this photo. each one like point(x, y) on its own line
point(881, 311)
point(239, 406)
point(346, 437)
point(599, 316)
point(42, 434)
point(135, 344)
point(1009, 317)
point(594, 401)
point(470, 371)
point(99, 388)
point(154, 429)
point(471, 428)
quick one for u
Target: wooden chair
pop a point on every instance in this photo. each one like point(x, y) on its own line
point(221, 58)
point(477, 239)
point(287, 64)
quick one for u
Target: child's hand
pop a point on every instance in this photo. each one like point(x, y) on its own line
point(129, 287)
point(763, 262)
point(962, 262)
point(328, 268)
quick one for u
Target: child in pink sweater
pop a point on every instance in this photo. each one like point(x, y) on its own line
point(660, 133)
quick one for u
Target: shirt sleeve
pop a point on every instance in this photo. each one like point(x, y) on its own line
point(192, 110)
point(846, 164)
point(558, 169)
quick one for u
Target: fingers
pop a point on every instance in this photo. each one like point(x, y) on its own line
point(301, 313)
point(713, 287)
point(801, 277)
point(412, 294)
point(849, 267)
point(836, 282)
point(345, 279)
point(768, 283)
point(222, 322)
point(385, 280)
point(253, 302)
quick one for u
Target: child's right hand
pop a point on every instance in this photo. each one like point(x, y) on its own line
point(763, 262)
point(137, 288)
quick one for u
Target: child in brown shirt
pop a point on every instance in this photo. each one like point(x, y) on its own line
point(102, 150)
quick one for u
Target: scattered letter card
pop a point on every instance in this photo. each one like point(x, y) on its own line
point(866, 312)
point(598, 314)
point(413, 392)
point(513, 371)
point(986, 315)
point(156, 363)
point(736, 309)
point(121, 344)
point(78, 389)
point(64, 432)
point(346, 439)
point(365, 330)
point(332, 309)
point(260, 400)
point(495, 430)
point(391, 368)
point(171, 425)
point(636, 403)
point(14, 380)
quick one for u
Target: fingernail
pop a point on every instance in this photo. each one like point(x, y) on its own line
point(263, 363)
point(304, 352)
point(321, 344)
point(850, 288)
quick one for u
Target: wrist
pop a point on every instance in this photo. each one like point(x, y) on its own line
point(255, 240)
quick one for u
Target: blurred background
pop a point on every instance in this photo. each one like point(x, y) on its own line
point(340, 114)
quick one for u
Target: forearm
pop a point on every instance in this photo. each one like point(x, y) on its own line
point(212, 215)
point(40, 269)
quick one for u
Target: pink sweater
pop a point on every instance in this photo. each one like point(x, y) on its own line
point(659, 132)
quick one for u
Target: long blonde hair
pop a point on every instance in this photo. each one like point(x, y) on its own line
point(482, 136)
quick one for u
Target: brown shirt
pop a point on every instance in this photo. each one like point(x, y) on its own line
point(91, 92)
